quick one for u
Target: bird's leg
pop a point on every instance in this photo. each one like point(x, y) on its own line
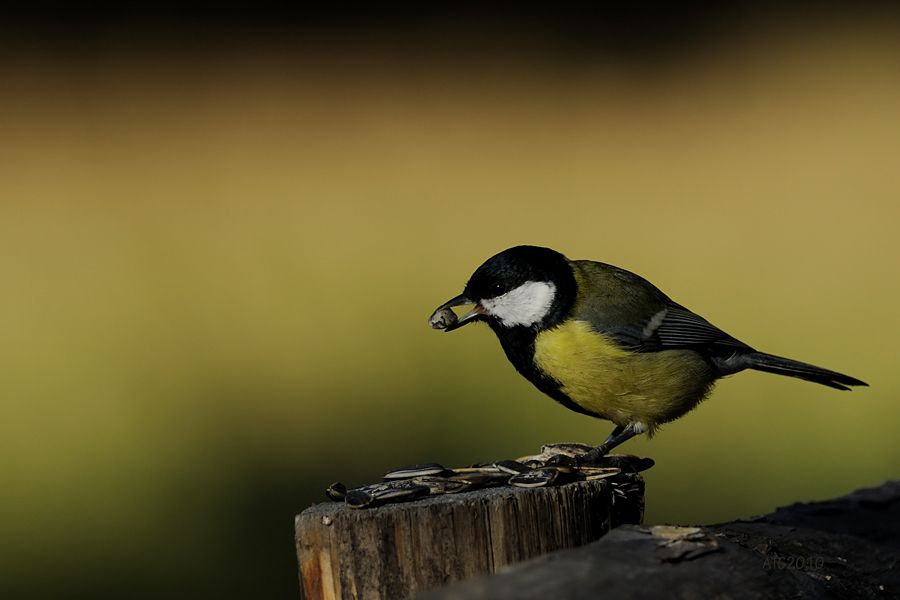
point(618, 436)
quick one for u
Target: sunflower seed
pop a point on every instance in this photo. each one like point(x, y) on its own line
point(625, 462)
point(441, 485)
point(483, 469)
point(409, 472)
point(359, 498)
point(336, 491)
point(563, 462)
point(536, 478)
point(586, 471)
point(442, 318)
point(481, 479)
point(512, 467)
point(568, 448)
point(400, 489)
point(600, 474)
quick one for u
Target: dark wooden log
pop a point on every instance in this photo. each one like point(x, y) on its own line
point(393, 551)
point(843, 548)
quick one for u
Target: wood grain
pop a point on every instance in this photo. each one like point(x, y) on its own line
point(847, 547)
point(397, 550)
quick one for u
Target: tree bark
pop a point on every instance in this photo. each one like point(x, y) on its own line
point(397, 550)
point(843, 548)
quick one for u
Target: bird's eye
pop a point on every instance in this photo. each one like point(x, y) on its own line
point(498, 288)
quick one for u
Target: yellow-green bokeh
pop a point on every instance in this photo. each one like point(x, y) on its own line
point(217, 274)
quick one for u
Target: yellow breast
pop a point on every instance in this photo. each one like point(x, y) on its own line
point(622, 386)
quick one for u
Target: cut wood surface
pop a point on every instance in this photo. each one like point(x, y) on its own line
point(396, 550)
point(848, 547)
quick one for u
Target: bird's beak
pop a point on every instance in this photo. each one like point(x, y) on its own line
point(444, 318)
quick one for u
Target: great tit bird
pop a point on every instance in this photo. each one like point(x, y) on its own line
point(605, 342)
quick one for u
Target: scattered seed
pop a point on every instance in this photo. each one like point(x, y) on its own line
point(400, 489)
point(512, 467)
point(422, 470)
point(533, 479)
point(359, 498)
point(336, 491)
point(441, 485)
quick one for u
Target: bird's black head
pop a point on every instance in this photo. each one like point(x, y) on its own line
point(524, 286)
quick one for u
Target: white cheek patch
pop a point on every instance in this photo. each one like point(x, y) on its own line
point(525, 305)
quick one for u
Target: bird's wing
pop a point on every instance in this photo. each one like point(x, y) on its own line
point(639, 317)
point(680, 328)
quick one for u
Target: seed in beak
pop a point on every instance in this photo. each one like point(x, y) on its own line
point(442, 318)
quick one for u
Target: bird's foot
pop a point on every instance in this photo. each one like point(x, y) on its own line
point(593, 456)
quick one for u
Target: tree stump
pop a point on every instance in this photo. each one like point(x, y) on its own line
point(397, 550)
point(846, 548)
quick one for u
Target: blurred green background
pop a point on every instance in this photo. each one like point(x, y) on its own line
point(217, 267)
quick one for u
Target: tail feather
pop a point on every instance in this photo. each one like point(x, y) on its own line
point(794, 368)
